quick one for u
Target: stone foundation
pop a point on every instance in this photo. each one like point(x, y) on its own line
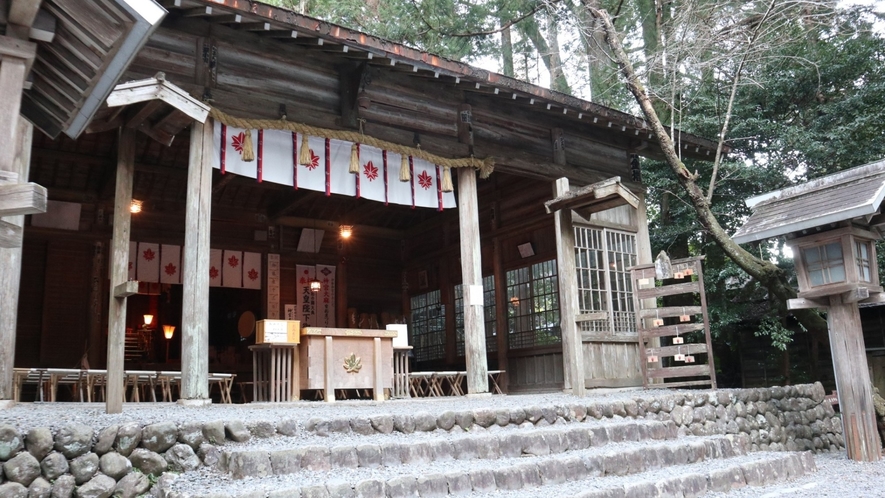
point(128, 459)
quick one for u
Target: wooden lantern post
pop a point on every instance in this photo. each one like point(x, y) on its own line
point(832, 223)
point(835, 270)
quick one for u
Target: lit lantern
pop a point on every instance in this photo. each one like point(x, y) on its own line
point(168, 331)
point(345, 231)
point(148, 320)
point(315, 285)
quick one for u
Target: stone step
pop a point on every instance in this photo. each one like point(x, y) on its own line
point(316, 453)
point(505, 474)
point(692, 480)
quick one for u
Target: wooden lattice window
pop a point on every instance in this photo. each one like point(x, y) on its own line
point(862, 258)
point(427, 331)
point(602, 257)
point(533, 306)
point(825, 264)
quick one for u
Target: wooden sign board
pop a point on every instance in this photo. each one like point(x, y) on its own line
point(278, 331)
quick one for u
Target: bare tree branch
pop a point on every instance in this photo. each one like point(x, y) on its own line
point(734, 87)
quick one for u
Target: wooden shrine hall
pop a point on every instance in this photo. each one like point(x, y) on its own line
point(208, 162)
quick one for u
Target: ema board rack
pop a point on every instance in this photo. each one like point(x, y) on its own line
point(671, 358)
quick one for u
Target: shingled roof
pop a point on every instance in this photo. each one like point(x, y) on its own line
point(846, 195)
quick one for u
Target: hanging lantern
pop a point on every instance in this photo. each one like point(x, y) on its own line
point(345, 231)
point(315, 285)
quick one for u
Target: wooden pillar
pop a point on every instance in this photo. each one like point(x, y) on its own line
point(502, 328)
point(471, 278)
point(853, 381)
point(195, 275)
point(11, 264)
point(572, 351)
point(120, 270)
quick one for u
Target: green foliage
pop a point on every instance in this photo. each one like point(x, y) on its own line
point(772, 328)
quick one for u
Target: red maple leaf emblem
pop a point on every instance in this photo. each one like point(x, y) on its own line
point(253, 275)
point(171, 269)
point(213, 273)
point(237, 142)
point(370, 170)
point(233, 261)
point(314, 161)
point(149, 255)
point(425, 180)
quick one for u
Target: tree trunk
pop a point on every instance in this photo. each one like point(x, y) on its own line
point(530, 29)
point(507, 50)
point(765, 272)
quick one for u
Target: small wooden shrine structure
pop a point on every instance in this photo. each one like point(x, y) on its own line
point(242, 138)
point(831, 224)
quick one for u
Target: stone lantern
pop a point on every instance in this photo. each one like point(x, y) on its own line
point(831, 224)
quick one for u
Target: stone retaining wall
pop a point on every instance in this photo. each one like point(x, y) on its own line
point(129, 459)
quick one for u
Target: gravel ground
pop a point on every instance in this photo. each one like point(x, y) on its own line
point(836, 477)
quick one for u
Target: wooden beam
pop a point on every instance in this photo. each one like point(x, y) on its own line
point(853, 381)
point(876, 299)
point(350, 81)
point(120, 270)
point(572, 351)
point(22, 198)
point(138, 116)
point(43, 28)
point(855, 295)
point(12, 76)
point(471, 278)
point(465, 124)
point(195, 275)
point(594, 198)
point(158, 88)
point(23, 12)
point(558, 142)
point(11, 235)
point(126, 289)
point(11, 258)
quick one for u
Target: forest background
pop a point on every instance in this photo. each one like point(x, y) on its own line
point(794, 88)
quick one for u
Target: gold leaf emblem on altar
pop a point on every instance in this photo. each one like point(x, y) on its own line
point(353, 363)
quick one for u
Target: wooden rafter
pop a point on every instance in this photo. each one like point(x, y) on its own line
point(594, 198)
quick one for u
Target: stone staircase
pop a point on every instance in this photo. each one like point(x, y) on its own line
point(486, 453)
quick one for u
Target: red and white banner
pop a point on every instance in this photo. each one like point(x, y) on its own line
point(306, 300)
point(215, 267)
point(251, 270)
point(373, 175)
point(276, 160)
point(232, 275)
point(148, 263)
point(326, 299)
point(170, 264)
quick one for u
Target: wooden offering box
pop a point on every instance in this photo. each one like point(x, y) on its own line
point(333, 358)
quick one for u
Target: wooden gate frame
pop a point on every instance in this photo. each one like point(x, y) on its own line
point(645, 275)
